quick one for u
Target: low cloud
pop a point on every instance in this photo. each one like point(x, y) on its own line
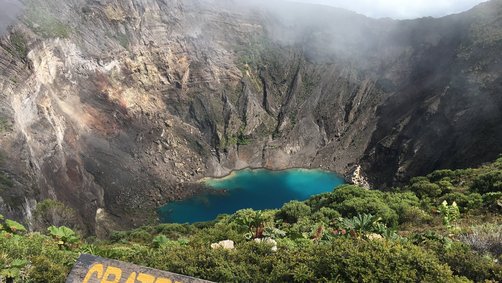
point(9, 10)
point(399, 9)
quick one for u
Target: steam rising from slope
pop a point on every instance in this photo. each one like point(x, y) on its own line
point(323, 33)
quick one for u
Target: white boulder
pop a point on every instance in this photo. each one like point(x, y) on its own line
point(226, 244)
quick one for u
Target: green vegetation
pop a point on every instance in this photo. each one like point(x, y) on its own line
point(450, 214)
point(45, 23)
point(50, 28)
point(235, 139)
point(256, 54)
point(121, 38)
point(4, 125)
point(243, 139)
point(51, 212)
point(251, 53)
point(5, 182)
point(19, 46)
point(309, 82)
point(441, 228)
point(490, 182)
point(13, 226)
point(65, 236)
point(31, 257)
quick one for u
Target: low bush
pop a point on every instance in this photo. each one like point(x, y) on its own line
point(464, 202)
point(425, 188)
point(493, 201)
point(488, 183)
point(465, 262)
point(439, 175)
point(294, 210)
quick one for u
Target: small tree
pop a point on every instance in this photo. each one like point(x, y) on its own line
point(294, 210)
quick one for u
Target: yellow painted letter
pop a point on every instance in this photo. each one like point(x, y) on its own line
point(96, 268)
point(163, 280)
point(116, 272)
point(146, 278)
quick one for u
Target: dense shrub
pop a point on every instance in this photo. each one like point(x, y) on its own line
point(342, 259)
point(403, 204)
point(445, 185)
point(118, 236)
point(48, 263)
point(493, 201)
point(326, 215)
point(465, 262)
point(498, 163)
point(425, 188)
point(52, 212)
point(464, 202)
point(294, 210)
point(414, 215)
point(340, 194)
point(352, 262)
point(46, 270)
point(175, 230)
point(140, 236)
point(439, 175)
point(367, 205)
point(487, 183)
point(351, 200)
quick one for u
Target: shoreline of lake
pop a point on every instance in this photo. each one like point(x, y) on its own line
point(251, 168)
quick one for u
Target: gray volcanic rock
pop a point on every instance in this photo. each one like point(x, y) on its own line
point(115, 107)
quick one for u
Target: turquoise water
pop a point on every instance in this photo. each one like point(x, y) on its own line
point(257, 189)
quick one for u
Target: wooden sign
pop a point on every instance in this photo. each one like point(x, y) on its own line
point(93, 269)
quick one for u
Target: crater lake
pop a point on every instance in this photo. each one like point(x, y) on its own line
point(250, 188)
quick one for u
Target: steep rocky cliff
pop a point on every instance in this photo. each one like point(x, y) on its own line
point(115, 107)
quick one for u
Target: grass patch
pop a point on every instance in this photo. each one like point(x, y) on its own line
point(19, 45)
point(5, 182)
point(43, 23)
point(4, 125)
point(123, 39)
point(238, 138)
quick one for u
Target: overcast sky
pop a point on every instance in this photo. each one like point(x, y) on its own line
point(401, 9)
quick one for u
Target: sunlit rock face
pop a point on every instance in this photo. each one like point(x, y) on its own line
point(117, 106)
